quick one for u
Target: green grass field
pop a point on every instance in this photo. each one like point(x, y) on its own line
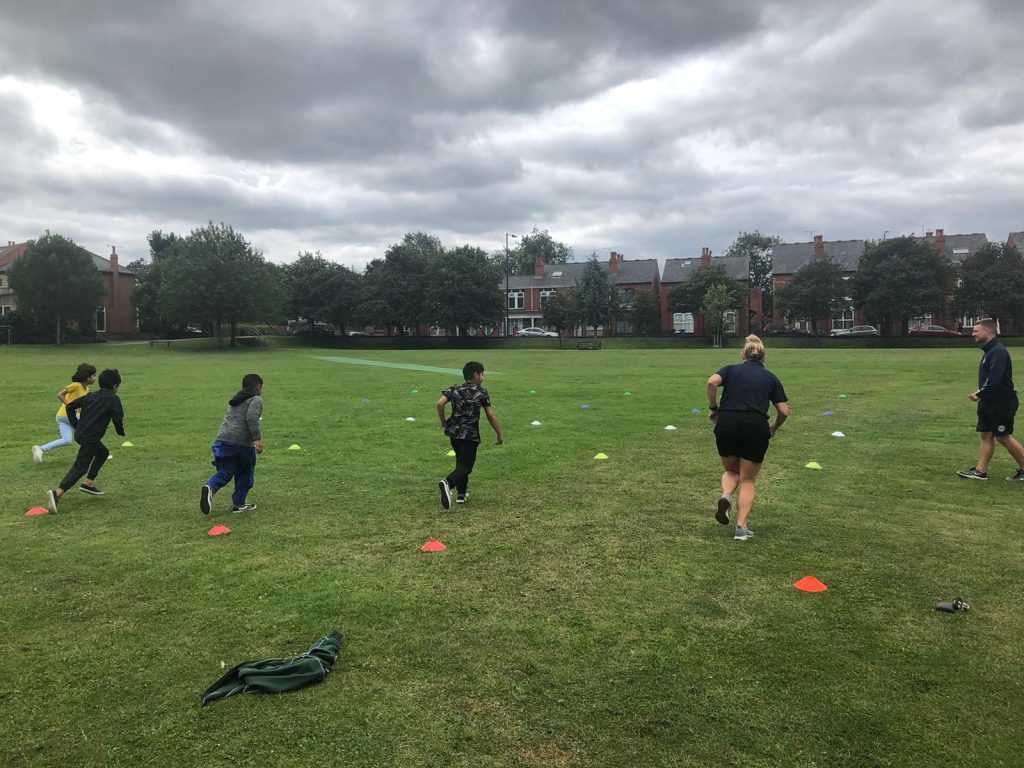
point(585, 613)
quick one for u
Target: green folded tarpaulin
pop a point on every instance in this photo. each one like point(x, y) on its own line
point(279, 675)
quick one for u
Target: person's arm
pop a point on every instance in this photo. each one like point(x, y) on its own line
point(252, 417)
point(440, 410)
point(62, 395)
point(713, 384)
point(493, 420)
point(72, 407)
point(781, 414)
point(118, 416)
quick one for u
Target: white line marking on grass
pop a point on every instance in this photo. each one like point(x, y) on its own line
point(382, 364)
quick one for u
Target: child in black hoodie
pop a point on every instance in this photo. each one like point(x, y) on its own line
point(98, 409)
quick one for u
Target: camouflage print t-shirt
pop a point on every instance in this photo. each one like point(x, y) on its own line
point(467, 399)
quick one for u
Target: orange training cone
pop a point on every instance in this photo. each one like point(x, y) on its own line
point(809, 584)
point(218, 529)
point(37, 511)
point(433, 545)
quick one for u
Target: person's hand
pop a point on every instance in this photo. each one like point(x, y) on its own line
point(258, 445)
point(973, 396)
point(713, 416)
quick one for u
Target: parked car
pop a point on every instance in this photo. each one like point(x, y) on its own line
point(783, 329)
point(357, 333)
point(933, 330)
point(535, 332)
point(857, 330)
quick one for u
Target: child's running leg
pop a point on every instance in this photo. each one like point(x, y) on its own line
point(245, 477)
point(66, 434)
point(102, 454)
point(86, 453)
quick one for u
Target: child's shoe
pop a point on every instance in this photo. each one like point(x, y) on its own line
point(37, 454)
point(446, 494)
point(206, 499)
point(243, 508)
point(92, 490)
point(460, 498)
point(51, 500)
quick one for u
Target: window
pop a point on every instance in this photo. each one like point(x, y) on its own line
point(101, 320)
point(516, 299)
point(682, 321)
point(557, 274)
point(729, 326)
point(842, 320)
point(625, 295)
point(917, 322)
point(545, 294)
point(4, 309)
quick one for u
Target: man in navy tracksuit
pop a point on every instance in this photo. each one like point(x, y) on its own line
point(997, 403)
point(98, 409)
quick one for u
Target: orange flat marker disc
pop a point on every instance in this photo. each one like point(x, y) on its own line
point(37, 511)
point(433, 545)
point(218, 529)
point(809, 584)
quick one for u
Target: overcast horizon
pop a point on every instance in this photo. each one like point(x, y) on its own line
point(652, 130)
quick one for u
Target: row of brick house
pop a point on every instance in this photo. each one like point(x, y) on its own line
point(116, 316)
point(527, 294)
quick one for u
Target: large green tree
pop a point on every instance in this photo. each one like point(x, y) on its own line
point(688, 296)
point(899, 279)
point(148, 281)
point(527, 248)
point(992, 283)
point(56, 279)
point(645, 311)
point(463, 289)
point(815, 292)
point(596, 301)
point(559, 313)
point(214, 275)
point(320, 290)
point(757, 248)
point(395, 287)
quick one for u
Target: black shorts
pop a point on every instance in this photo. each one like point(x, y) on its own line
point(742, 433)
point(996, 416)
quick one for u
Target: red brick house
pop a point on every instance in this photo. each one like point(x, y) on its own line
point(747, 317)
point(117, 313)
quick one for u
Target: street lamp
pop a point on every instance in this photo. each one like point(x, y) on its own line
point(507, 236)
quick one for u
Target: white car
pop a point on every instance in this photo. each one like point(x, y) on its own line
point(857, 330)
point(535, 332)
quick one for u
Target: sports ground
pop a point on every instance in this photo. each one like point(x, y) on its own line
point(585, 612)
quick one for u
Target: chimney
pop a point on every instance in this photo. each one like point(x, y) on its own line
point(538, 266)
point(940, 240)
point(819, 248)
point(114, 274)
point(705, 257)
point(613, 262)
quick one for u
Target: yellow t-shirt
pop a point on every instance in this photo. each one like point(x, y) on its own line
point(75, 390)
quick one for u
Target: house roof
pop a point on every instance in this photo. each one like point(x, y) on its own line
point(678, 270)
point(1018, 240)
point(9, 253)
point(787, 258)
point(565, 275)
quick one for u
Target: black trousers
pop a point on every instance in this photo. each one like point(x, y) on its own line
point(90, 458)
point(465, 458)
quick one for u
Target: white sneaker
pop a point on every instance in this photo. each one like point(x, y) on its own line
point(37, 454)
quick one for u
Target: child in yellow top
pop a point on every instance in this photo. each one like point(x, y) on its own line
point(79, 386)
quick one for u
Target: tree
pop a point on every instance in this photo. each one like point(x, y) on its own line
point(646, 313)
point(596, 301)
point(55, 278)
point(215, 275)
point(394, 288)
point(899, 279)
point(992, 283)
point(717, 301)
point(816, 291)
point(689, 295)
point(538, 243)
point(463, 289)
point(319, 289)
point(148, 281)
point(758, 250)
point(559, 313)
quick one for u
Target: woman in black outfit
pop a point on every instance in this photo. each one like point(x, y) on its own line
point(741, 427)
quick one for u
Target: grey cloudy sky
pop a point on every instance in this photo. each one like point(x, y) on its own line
point(652, 128)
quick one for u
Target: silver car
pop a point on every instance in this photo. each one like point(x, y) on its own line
point(857, 330)
point(537, 332)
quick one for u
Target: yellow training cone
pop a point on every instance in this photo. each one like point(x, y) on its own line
point(451, 453)
point(294, 447)
point(601, 456)
point(127, 444)
point(812, 465)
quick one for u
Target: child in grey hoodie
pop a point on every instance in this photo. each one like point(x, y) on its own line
point(234, 451)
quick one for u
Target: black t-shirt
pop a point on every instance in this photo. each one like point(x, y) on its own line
point(750, 387)
point(467, 399)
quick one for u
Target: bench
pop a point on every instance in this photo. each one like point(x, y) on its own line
point(595, 344)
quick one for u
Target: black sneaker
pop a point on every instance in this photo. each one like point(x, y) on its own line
point(973, 474)
point(724, 505)
point(1019, 475)
point(460, 498)
point(92, 490)
point(446, 494)
point(243, 508)
point(51, 500)
point(206, 499)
